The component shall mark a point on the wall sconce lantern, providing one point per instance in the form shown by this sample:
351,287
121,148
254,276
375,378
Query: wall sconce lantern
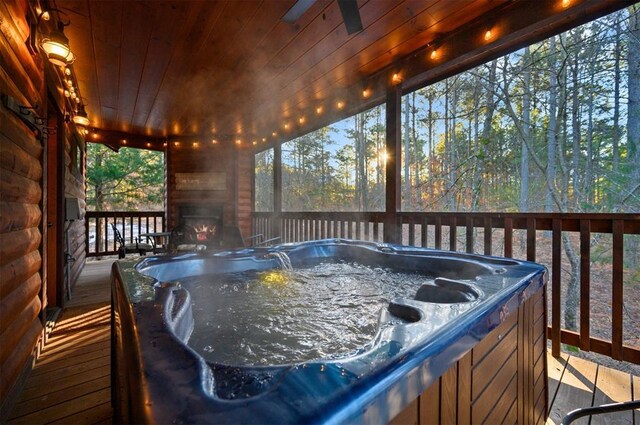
56,44
80,117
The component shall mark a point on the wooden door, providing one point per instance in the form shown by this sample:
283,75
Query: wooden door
54,215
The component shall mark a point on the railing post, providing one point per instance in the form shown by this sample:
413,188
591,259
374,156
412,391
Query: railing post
392,171
556,274
617,298
585,283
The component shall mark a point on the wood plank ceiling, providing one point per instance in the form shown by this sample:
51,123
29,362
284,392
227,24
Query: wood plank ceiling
232,69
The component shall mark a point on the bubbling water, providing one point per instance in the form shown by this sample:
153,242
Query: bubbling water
290,316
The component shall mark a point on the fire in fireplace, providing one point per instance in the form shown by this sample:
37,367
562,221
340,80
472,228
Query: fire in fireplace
205,219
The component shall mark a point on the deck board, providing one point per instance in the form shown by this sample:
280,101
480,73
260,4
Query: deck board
71,381
613,386
581,383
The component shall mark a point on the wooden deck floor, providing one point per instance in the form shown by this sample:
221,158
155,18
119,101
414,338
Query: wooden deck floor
575,383
71,384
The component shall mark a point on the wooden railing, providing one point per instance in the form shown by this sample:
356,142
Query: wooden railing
541,237
100,238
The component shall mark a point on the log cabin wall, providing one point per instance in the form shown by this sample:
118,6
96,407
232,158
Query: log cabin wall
21,188
24,211
245,192
184,158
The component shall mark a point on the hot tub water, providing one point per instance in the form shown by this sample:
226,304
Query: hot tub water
290,316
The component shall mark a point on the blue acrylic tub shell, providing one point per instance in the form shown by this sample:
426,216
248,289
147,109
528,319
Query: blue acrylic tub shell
161,379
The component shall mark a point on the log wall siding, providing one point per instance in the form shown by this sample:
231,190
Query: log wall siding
22,192
245,194
236,199
21,176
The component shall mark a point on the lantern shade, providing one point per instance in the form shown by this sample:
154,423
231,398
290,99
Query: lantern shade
56,46
80,118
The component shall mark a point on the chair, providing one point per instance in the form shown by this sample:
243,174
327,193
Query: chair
232,238
184,238
123,247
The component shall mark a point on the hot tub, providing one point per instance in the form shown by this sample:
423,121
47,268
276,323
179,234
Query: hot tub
186,351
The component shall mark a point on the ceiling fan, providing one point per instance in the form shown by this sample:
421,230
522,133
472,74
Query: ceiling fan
348,8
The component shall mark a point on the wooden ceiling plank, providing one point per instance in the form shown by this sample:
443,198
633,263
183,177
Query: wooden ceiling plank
198,25
414,14
326,58
136,35
106,46
279,39
157,59
351,70
322,26
445,25
203,80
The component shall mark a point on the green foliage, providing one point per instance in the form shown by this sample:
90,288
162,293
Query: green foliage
131,179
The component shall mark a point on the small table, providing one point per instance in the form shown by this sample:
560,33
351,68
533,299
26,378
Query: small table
160,240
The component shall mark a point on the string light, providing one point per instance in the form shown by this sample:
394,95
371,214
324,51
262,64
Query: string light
214,142
148,144
124,141
319,110
301,120
286,126
488,35
396,78
340,104
196,144
176,144
274,134
366,93
434,54
66,93
264,139
238,141
565,3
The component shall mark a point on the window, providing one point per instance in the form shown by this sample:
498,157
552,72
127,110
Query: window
263,181
340,167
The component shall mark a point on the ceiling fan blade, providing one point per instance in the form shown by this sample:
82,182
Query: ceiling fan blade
297,10
350,15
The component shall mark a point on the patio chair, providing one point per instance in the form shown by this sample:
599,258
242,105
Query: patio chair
184,238
123,247
232,238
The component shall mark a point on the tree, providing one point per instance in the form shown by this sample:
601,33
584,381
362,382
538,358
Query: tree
124,180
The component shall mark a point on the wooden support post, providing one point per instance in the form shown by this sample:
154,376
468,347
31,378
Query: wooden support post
276,224
394,153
